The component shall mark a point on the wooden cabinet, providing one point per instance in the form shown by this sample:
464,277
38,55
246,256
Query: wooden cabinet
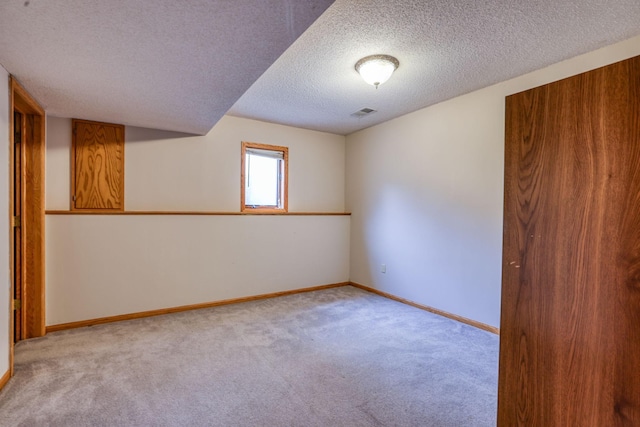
570,321
97,166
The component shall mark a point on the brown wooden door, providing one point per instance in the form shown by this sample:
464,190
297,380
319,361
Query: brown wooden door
18,131
97,166
570,322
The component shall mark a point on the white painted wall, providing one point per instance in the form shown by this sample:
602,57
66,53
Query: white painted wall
104,265
426,195
172,171
5,272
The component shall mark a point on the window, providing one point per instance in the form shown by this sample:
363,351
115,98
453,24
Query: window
264,178
97,166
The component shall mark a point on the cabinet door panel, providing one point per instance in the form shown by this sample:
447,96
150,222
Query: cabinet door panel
97,166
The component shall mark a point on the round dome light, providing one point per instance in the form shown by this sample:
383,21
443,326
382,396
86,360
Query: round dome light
376,69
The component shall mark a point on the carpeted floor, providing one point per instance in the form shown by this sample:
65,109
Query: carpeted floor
337,357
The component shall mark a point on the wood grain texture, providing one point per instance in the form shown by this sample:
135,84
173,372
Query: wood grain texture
99,212
12,247
97,165
111,319
32,221
442,313
570,316
19,123
21,100
33,228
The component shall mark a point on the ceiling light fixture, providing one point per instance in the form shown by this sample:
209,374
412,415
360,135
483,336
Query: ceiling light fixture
376,69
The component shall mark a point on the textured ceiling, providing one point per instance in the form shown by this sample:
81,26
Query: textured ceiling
180,65
445,47
166,64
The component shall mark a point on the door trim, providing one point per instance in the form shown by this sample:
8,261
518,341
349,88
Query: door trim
32,221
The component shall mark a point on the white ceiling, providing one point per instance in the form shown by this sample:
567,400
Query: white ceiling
180,65
445,47
165,64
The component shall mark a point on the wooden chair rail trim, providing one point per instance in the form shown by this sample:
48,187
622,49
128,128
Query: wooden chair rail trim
107,212
5,379
139,315
452,316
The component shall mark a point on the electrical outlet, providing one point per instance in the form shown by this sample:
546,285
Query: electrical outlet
383,268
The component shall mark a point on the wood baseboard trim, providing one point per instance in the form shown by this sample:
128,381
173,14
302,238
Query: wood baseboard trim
455,317
139,315
5,379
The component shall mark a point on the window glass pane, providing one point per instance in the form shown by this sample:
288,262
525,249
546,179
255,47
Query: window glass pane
261,180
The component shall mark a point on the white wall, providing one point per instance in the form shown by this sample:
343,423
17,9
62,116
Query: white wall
426,195
99,265
172,171
102,265
5,275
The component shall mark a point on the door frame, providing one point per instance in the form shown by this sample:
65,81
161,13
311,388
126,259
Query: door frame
19,121
32,216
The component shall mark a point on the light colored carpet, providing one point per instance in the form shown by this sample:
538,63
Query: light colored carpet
337,357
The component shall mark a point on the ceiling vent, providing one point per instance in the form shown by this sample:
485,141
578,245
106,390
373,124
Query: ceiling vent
363,112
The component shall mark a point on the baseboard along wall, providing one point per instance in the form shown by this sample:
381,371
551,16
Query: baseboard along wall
5,379
138,315
455,317
118,318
